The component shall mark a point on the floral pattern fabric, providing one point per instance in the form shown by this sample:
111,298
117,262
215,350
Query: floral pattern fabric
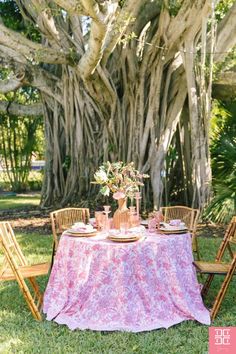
101,285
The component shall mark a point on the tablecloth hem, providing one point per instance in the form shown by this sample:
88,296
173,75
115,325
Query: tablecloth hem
125,328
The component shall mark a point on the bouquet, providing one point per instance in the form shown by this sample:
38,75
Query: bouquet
121,179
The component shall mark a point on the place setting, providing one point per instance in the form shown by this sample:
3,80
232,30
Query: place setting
175,226
80,229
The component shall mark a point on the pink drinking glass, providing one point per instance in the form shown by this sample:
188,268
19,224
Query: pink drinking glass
99,216
159,218
152,225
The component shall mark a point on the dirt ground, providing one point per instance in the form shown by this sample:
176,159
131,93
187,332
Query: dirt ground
28,220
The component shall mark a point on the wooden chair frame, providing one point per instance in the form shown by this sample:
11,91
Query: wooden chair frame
219,267
15,267
64,218
189,216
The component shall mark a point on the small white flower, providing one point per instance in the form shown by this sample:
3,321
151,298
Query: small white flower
101,176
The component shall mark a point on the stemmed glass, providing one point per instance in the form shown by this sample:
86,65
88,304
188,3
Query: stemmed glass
106,225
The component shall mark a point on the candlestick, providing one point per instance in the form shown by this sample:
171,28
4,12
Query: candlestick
106,219
137,197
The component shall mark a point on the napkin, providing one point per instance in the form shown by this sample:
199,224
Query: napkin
81,227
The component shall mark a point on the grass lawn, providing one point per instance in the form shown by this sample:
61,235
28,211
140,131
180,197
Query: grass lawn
18,201
20,333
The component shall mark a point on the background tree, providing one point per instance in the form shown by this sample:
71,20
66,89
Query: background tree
20,137
114,77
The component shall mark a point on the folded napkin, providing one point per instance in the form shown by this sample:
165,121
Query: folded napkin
81,227
135,229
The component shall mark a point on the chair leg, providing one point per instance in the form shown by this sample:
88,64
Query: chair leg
222,292
195,246
207,285
28,298
37,293
53,255
197,249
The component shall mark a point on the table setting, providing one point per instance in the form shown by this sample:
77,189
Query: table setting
123,273
135,281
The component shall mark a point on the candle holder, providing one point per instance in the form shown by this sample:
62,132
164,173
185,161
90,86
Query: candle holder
137,198
132,216
106,223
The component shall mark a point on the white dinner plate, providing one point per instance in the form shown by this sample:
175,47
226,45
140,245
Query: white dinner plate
74,231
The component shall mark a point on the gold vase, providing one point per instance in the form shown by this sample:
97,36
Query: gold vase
121,215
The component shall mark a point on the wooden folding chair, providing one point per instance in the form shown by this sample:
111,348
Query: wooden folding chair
64,218
189,216
15,267
219,267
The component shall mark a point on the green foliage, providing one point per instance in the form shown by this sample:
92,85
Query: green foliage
12,18
34,181
222,7
11,15
121,3
223,153
174,6
20,137
66,164
17,142
228,63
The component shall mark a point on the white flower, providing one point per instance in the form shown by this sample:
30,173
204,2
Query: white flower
101,176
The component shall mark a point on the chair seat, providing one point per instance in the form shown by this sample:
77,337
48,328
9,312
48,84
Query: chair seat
27,271
211,267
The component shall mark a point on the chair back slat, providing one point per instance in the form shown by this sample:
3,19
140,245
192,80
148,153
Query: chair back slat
229,237
188,215
65,218
232,231
10,244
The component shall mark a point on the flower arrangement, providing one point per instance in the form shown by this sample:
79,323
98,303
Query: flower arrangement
121,179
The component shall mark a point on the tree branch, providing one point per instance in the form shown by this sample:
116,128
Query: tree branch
21,110
8,54
10,84
102,18
31,51
128,12
183,27
72,7
226,35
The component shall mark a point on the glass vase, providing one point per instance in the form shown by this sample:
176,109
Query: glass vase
121,215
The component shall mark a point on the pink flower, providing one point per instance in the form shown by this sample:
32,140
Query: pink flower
118,195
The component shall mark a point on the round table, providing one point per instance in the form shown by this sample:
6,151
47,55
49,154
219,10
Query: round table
98,284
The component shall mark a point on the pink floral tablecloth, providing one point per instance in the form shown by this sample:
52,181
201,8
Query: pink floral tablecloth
101,285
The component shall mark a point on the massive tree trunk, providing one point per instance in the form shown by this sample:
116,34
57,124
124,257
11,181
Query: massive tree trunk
108,94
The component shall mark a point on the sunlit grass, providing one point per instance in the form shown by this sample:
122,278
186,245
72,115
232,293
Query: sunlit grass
20,333
18,202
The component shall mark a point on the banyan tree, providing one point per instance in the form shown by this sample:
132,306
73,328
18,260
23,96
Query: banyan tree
118,80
